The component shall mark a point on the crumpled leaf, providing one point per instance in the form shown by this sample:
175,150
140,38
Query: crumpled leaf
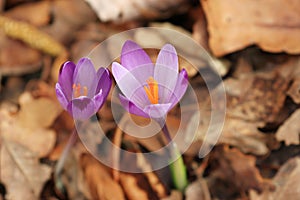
37,113
21,172
289,131
256,98
36,137
286,183
118,10
235,24
294,90
99,179
232,167
197,190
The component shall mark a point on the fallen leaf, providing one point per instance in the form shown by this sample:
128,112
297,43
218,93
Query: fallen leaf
286,183
197,190
231,28
122,11
99,179
232,167
136,186
37,113
245,136
294,90
39,140
21,171
256,98
289,131
36,13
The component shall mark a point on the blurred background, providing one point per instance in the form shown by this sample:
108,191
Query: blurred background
255,47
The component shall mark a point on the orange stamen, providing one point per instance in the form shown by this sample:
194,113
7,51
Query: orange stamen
77,90
152,90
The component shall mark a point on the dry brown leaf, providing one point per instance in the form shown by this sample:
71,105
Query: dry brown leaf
38,139
17,58
175,195
136,187
235,24
197,190
256,98
245,136
236,169
118,10
286,183
294,90
37,13
99,179
289,131
21,171
37,113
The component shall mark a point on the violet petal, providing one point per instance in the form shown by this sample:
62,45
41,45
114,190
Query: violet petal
85,75
180,88
82,108
166,79
61,97
133,56
166,66
99,100
157,111
168,57
131,107
65,79
129,85
104,82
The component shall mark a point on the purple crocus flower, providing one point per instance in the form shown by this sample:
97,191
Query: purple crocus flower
80,89
149,90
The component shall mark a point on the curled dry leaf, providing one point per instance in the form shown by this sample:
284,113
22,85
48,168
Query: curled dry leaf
119,10
294,90
37,113
245,136
23,128
286,183
235,169
256,98
136,187
289,131
197,190
21,172
231,28
37,13
99,179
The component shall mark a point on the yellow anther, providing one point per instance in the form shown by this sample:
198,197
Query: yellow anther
152,90
77,92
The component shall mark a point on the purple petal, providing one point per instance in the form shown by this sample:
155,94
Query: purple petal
65,79
61,96
157,111
82,108
129,85
85,75
166,72
180,88
104,82
167,79
133,56
131,107
168,57
99,100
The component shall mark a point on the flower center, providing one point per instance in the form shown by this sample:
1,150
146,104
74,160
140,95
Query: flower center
79,91
152,90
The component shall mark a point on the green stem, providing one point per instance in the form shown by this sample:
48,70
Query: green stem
61,161
177,167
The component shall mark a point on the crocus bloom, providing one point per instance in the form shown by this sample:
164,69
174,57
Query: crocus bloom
149,90
81,90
